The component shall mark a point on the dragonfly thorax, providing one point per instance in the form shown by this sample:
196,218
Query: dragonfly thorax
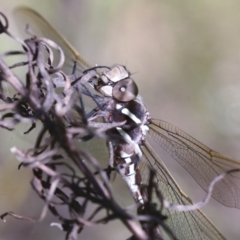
135,116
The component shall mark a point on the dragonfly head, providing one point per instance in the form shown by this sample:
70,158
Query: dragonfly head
116,83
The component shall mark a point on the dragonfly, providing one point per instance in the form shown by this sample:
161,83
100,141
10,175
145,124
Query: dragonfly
202,163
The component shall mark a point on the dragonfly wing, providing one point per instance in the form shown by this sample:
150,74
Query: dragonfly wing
185,225
200,161
42,28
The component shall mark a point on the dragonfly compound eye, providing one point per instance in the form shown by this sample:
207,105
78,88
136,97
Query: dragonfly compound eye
115,74
125,90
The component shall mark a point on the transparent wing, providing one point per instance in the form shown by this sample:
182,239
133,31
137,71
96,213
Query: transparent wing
200,161
185,225
42,28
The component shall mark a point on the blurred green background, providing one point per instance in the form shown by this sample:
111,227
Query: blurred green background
185,56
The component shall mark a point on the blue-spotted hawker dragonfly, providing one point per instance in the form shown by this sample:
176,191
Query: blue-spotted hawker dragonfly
202,163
